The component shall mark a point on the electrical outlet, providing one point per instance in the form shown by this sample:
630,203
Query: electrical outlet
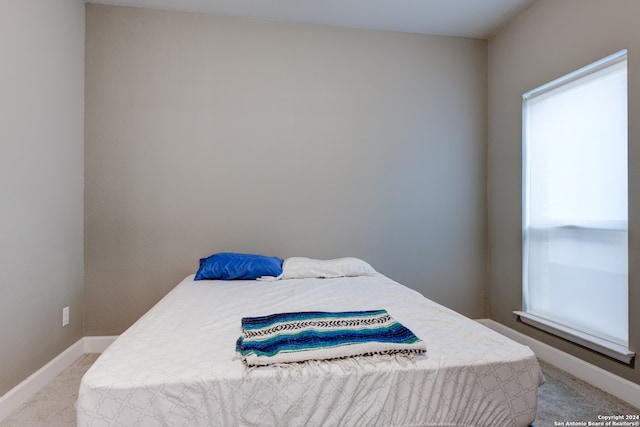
65,316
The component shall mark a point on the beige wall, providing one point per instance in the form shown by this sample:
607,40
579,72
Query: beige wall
549,40
208,134
41,183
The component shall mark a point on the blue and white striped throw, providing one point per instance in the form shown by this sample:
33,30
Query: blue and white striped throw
302,336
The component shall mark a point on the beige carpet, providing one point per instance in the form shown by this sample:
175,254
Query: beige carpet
54,405
562,398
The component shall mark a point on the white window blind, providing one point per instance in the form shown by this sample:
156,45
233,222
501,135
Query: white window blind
575,262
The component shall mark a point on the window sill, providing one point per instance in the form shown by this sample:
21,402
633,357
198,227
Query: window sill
605,347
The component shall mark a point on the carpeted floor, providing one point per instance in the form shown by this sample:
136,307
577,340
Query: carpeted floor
562,399
54,405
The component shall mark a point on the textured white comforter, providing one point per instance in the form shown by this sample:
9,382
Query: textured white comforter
177,366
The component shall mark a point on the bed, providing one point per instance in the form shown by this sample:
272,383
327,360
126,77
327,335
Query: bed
178,365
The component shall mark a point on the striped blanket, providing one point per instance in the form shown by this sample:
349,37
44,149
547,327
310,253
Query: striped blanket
298,337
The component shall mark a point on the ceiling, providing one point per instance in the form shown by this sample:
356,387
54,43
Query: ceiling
464,18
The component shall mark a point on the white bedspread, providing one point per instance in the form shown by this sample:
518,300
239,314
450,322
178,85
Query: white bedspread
177,366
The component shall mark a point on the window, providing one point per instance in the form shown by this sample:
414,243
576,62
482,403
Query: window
575,261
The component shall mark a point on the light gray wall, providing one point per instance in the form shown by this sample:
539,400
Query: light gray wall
208,134
41,182
549,40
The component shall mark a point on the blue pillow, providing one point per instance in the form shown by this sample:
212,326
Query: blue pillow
234,266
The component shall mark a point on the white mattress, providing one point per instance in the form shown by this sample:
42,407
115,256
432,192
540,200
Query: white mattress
176,366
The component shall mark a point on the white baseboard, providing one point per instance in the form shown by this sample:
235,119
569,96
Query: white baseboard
24,391
613,384
97,344
620,387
